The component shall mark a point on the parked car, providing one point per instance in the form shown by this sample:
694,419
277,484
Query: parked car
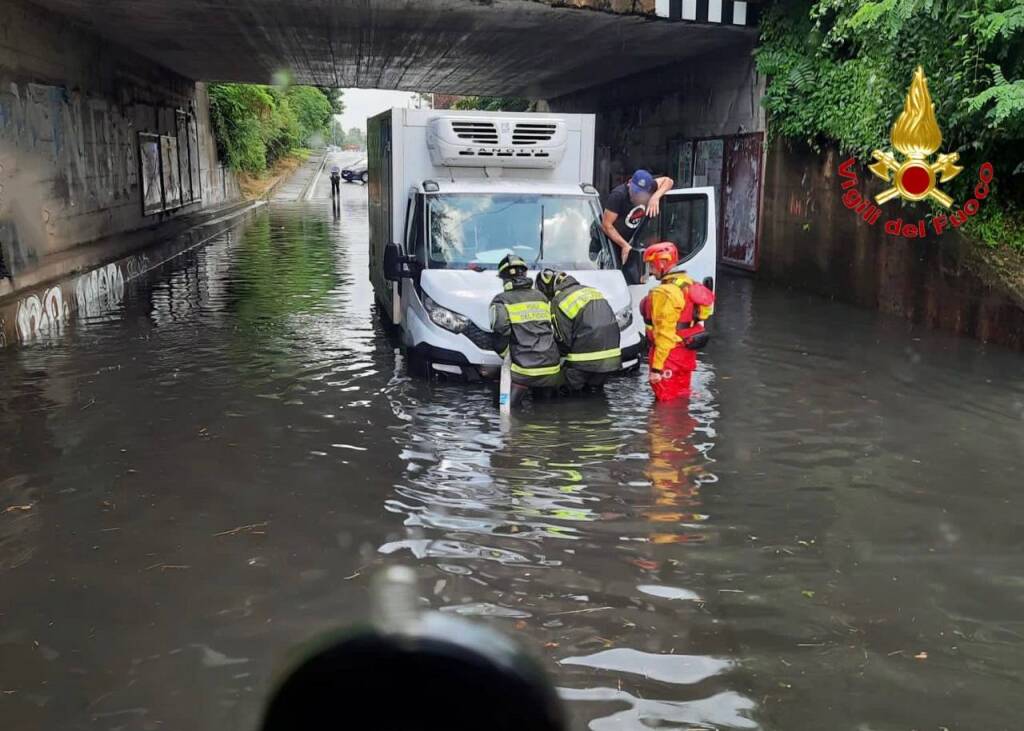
356,171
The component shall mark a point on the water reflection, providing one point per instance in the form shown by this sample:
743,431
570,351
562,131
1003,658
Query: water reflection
559,523
678,468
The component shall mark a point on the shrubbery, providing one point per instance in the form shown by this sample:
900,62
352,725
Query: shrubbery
256,125
493,103
838,70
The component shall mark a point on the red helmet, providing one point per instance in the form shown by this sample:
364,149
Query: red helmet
662,257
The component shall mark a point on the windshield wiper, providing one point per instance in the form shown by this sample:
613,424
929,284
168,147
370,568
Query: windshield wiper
540,254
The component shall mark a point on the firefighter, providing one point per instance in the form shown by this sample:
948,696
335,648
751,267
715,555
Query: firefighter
521,322
674,313
585,328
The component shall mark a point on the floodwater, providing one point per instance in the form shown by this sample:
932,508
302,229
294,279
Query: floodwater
829,537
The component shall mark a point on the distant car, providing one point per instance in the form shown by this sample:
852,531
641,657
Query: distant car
356,171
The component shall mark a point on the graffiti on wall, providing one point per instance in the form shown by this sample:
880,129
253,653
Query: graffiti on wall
72,165
42,318
100,291
89,141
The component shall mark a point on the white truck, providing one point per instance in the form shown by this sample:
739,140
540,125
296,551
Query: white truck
451,193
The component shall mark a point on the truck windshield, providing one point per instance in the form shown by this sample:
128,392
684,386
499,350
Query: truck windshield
470,231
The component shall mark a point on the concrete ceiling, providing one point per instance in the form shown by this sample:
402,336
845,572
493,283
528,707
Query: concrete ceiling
492,47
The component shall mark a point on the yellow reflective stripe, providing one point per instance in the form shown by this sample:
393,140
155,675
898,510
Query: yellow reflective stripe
543,371
579,299
596,355
528,312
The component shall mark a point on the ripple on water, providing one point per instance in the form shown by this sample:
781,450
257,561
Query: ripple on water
675,669
727,710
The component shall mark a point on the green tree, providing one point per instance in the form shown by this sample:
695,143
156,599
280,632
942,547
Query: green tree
838,72
238,113
338,136
355,137
336,98
493,103
255,125
313,112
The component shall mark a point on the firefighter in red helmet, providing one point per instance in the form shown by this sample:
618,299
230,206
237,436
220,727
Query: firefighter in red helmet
674,313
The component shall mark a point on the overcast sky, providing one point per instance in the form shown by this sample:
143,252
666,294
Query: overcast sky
363,103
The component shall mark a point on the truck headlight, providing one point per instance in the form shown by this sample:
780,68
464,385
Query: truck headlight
443,317
624,317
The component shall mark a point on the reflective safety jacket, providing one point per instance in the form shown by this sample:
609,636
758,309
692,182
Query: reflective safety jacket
521,321
586,328
673,311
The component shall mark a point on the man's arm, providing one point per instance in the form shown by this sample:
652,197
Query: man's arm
665,184
608,219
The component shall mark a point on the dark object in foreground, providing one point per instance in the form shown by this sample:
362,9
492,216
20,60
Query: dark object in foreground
433,672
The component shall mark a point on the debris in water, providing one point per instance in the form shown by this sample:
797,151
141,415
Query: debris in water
22,508
921,656
250,528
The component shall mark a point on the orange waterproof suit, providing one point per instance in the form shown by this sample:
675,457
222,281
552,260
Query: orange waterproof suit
674,312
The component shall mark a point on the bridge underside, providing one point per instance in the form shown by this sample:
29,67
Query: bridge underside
491,47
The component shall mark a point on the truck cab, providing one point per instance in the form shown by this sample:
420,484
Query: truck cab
445,268
450,194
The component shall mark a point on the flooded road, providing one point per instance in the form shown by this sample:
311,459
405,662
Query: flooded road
829,537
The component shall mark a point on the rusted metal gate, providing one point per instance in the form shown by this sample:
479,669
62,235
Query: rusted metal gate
732,166
741,201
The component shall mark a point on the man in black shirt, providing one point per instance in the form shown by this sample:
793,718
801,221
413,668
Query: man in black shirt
624,209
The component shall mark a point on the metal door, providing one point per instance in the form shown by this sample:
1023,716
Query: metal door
740,206
688,219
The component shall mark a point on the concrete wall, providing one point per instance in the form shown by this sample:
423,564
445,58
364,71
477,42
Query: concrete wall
640,116
812,241
71,108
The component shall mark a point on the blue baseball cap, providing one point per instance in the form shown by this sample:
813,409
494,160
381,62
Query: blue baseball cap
642,182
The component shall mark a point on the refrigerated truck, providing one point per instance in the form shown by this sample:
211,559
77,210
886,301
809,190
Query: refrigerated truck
450,194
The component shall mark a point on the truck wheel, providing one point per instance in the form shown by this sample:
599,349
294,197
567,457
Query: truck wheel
365,177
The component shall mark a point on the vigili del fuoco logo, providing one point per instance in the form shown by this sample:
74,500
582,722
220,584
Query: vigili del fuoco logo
915,176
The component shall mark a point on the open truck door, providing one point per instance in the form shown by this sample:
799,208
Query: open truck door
687,219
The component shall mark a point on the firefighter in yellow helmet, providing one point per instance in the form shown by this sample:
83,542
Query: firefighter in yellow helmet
521,322
585,328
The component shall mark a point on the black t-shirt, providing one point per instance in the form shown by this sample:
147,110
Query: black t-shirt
630,215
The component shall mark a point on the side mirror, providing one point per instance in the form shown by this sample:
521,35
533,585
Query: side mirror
396,264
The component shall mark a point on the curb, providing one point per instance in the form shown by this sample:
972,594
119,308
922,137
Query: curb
311,183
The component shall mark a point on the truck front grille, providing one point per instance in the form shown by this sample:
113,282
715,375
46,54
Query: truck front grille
480,338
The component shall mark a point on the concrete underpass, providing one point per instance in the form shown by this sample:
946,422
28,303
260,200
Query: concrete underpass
81,81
